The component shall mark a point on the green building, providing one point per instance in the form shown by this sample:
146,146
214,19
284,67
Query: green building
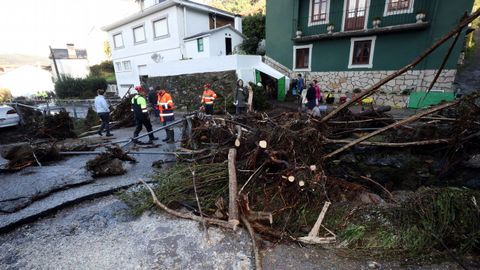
349,44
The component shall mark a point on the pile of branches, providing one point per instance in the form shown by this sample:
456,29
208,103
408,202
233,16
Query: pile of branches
285,164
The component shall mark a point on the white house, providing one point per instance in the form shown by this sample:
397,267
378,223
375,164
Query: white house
167,31
70,62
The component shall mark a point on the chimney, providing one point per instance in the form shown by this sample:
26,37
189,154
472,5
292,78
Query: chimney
238,23
72,53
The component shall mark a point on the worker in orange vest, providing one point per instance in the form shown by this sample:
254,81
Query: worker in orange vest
208,98
165,106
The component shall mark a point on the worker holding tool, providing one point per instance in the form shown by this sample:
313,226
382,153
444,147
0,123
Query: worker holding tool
208,98
139,108
165,105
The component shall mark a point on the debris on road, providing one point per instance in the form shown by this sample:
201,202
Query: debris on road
109,163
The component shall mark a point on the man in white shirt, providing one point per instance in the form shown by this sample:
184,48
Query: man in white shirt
103,111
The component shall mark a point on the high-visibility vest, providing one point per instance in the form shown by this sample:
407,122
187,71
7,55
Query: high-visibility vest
165,105
208,97
139,105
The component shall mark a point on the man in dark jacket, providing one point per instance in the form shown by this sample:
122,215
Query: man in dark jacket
139,107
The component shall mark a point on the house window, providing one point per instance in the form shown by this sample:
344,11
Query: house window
160,28
302,57
118,66
319,10
127,66
393,7
118,41
139,34
200,45
361,52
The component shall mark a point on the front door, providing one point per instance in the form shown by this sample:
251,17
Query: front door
228,46
355,14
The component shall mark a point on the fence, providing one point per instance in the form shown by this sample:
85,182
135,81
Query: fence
77,108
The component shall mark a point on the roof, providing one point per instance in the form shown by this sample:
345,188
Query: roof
164,5
63,54
212,31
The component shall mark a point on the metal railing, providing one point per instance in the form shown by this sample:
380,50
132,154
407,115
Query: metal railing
77,108
343,20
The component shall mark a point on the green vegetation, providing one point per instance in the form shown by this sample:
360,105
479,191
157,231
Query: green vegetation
79,88
254,29
104,70
243,7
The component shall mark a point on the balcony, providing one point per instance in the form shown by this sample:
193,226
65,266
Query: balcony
363,21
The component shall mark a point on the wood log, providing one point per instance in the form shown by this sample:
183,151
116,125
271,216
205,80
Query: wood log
188,215
373,112
232,187
394,145
256,252
259,216
312,237
372,89
239,135
262,144
399,123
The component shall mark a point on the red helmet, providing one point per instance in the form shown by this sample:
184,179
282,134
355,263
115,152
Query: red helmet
139,89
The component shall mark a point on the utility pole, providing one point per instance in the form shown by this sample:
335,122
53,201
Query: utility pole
55,63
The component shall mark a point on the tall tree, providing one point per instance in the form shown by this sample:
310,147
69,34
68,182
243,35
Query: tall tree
243,7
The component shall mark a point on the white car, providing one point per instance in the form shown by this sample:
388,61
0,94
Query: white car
8,116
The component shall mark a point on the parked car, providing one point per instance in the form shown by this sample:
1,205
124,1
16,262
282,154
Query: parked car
52,109
8,116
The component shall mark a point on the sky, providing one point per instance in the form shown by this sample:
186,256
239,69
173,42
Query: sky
30,26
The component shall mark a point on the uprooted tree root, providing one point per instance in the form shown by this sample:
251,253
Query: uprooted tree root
25,155
109,163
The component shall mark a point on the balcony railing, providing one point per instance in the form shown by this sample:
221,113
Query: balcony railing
363,18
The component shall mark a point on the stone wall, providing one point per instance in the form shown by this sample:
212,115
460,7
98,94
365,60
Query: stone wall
187,89
393,93
344,81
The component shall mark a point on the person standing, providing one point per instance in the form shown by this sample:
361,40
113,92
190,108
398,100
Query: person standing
103,111
165,105
139,107
208,98
311,97
318,92
240,97
300,83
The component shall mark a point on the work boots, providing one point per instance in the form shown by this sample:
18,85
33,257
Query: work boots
167,136
171,136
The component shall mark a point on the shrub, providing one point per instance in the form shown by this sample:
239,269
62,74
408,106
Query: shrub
5,95
79,88
254,30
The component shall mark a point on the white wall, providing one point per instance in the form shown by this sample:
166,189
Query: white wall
192,49
76,68
217,41
197,22
165,46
